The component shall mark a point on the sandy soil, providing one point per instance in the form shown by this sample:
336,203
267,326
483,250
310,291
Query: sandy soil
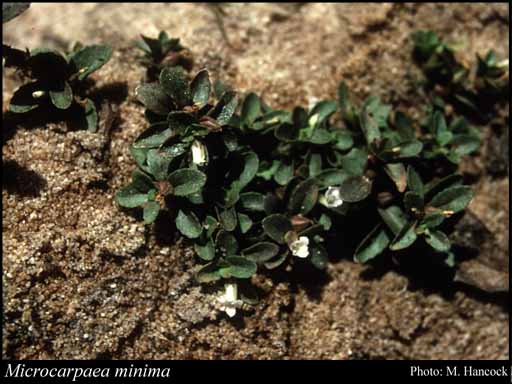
83,279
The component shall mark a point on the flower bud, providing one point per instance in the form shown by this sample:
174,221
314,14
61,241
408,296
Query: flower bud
198,153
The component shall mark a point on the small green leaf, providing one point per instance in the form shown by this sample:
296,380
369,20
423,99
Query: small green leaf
330,177
267,170
226,243
355,161
443,135
355,188
277,261
154,98
343,140
196,198
260,252
315,164
232,195
284,173
450,259
150,46
154,136
228,219
437,185
318,255
438,240
465,144
240,267
225,108
150,211
321,136
201,88
89,59
169,45
425,43
372,245
323,110
414,181
174,83
188,224
325,221
210,224
245,222
142,182
252,201
158,164
432,220
303,197
403,150
219,88
22,100
397,173
205,252
130,197
91,116
187,181
453,199
373,117
208,273
271,118
230,140
251,163
343,97
276,226
404,127
62,96
394,218
139,155
405,238
251,108
136,193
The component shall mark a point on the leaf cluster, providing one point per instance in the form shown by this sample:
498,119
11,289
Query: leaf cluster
57,80
474,89
162,51
248,184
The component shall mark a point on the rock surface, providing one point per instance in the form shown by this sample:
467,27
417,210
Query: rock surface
83,279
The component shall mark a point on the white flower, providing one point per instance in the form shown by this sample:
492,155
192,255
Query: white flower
228,300
332,197
38,94
198,153
313,120
503,64
299,247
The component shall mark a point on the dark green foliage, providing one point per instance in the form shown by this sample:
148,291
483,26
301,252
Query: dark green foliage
256,188
161,52
57,81
450,141
474,90
12,10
